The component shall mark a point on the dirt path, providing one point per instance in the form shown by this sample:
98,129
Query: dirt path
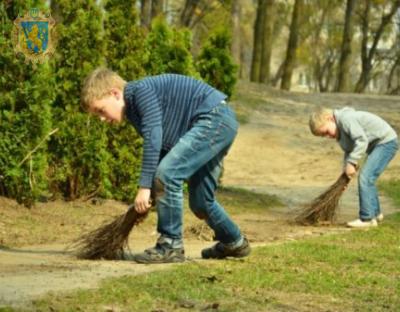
273,153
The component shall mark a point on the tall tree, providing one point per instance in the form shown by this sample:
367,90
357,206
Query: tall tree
194,11
157,8
188,12
324,43
368,51
345,56
236,31
257,45
267,41
145,13
290,60
393,86
393,81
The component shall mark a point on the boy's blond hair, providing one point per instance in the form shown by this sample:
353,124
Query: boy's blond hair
318,118
98,84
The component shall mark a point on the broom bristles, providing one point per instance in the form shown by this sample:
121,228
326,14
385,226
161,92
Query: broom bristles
323,208
109,240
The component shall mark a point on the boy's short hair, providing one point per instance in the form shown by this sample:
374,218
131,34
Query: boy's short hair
98,84
318,118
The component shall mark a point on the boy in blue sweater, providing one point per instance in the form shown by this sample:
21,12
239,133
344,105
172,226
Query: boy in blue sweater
187,129
358,134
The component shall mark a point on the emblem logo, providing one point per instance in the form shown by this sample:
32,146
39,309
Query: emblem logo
34,36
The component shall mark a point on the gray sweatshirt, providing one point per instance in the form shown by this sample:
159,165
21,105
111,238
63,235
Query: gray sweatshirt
360,132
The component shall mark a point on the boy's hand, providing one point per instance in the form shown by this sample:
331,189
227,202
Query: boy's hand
142,200
350,170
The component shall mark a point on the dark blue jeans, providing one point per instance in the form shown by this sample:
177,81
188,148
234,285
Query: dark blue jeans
197,158
376,162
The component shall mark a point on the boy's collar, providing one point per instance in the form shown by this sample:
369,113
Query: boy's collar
128,93
337,128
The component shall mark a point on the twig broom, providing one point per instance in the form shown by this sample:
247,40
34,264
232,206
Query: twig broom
323,208
109,240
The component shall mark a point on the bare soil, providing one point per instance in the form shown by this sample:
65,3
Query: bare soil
274,153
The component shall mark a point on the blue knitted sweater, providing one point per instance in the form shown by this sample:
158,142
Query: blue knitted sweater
162,109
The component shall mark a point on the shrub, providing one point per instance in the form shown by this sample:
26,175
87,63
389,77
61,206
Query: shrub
25,116
215,63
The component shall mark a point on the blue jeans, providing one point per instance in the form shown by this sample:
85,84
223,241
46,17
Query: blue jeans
376,162
197,158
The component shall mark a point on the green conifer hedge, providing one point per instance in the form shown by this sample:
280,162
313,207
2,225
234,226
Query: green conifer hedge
48,144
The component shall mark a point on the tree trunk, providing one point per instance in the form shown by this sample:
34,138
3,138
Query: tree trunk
345,57
236,33
157,8
56,12
257,45
394,70
367,56
265,69
278,75
290,60
145,14
325,73
188,12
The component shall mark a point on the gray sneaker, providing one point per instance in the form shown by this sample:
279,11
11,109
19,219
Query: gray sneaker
161,253
221,251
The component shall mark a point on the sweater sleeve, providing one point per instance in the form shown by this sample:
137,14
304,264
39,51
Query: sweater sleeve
150,112
358,136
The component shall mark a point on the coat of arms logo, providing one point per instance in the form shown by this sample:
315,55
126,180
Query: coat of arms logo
34,36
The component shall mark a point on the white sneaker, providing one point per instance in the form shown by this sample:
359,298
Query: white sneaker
362,224
379,217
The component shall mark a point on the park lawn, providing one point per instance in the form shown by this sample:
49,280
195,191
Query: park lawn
354,271
391,188
244,105
62,222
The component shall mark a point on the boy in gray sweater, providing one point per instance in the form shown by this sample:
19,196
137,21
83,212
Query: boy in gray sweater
359,133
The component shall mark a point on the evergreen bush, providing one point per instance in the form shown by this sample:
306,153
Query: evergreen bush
79,158
25,115
169,50
215,63
125,54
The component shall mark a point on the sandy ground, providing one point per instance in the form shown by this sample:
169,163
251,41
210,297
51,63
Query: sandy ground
273,153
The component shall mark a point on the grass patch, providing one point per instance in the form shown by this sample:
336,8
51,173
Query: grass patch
357,271
244,105
392,189
238,200
51,222
62,222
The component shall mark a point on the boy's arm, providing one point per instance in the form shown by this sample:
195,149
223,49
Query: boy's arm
149,110
358,136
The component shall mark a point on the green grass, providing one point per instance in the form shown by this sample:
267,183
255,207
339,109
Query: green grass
357,271
238,200
354,271
244,105
392,189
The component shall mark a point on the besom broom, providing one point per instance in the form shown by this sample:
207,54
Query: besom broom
323,208
109,240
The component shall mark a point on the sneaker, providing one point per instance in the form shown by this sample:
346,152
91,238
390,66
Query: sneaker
221,251
161,253
379,217
362,224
